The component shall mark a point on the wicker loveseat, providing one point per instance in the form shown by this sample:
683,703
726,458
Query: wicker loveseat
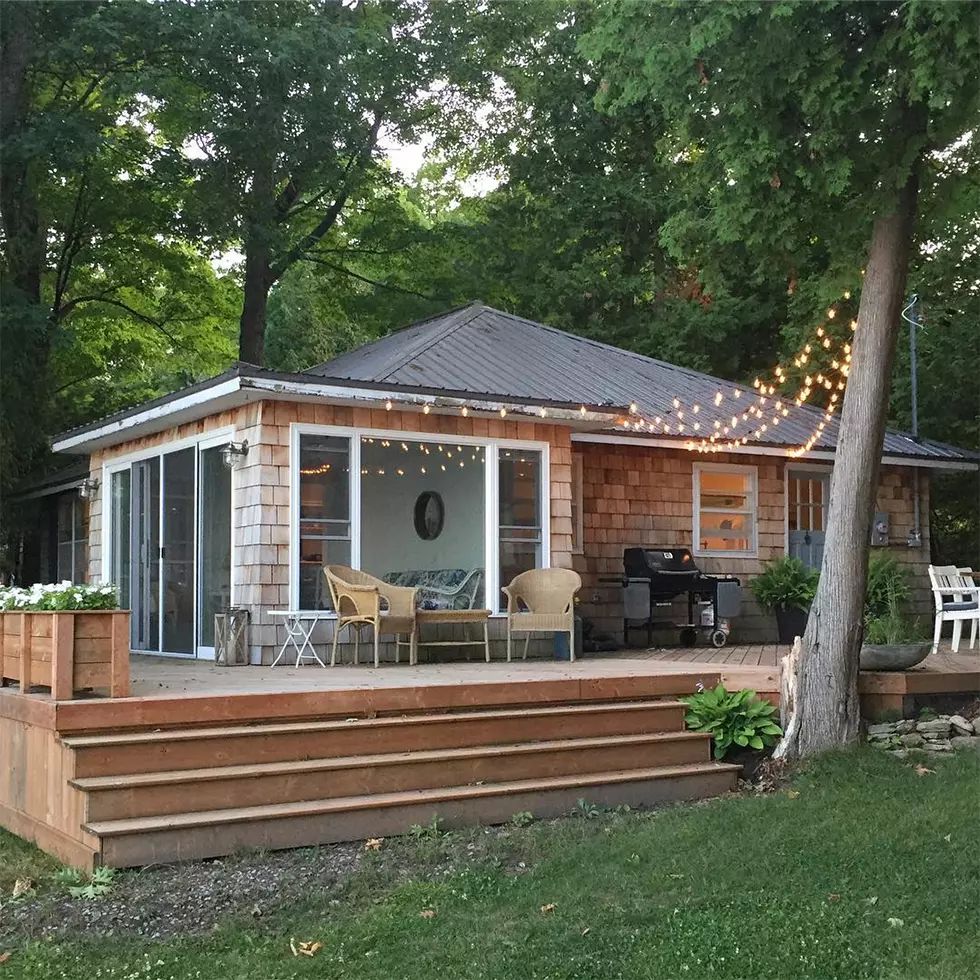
441,588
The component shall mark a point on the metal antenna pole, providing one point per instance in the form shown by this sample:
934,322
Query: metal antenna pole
913,323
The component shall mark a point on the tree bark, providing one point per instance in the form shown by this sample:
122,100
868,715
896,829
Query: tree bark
827,707
251,333
18,197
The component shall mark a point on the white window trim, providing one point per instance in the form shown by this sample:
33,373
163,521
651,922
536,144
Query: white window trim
752,509
491,449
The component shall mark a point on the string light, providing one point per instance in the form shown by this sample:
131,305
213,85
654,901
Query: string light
830,379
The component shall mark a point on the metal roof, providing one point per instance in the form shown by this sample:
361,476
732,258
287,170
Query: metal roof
481,350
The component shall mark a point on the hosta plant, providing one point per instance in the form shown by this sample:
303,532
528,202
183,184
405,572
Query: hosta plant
56,598
733,718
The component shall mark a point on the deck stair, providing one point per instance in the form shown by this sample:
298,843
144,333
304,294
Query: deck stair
156,794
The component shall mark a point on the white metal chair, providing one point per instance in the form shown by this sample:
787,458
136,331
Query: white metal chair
957,598
542,601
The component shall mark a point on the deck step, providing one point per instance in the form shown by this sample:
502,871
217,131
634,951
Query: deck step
228,745
222,787
202,834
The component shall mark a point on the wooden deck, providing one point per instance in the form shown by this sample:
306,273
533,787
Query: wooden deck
202,760
943,673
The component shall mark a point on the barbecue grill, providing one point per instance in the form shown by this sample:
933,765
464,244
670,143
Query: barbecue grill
653,579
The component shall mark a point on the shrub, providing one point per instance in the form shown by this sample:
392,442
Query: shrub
54,598
893,626
785,582
733,718
889,587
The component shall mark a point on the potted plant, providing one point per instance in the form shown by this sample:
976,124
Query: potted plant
66,637
892,639
786,587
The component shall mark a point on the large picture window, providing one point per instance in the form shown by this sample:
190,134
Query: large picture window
724,509
422,518
454,519
324,514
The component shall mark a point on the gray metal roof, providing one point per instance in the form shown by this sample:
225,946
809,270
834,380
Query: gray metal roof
485,351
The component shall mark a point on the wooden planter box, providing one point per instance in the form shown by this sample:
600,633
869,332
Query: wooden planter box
66,651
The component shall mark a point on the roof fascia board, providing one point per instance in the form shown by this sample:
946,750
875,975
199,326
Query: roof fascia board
379,395
118,430
234,391
49,491
747,450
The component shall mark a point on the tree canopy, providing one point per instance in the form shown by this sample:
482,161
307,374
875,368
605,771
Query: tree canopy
188,183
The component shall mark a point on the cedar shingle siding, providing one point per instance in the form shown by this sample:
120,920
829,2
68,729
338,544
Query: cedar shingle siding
631,496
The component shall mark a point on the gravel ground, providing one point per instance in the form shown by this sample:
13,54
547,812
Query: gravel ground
192,899
184,899
180,900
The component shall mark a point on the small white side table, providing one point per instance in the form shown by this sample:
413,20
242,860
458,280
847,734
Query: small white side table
299,631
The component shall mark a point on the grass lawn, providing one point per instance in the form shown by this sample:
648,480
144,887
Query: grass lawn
862,868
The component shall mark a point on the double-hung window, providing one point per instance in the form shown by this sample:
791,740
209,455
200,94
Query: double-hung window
725,509
521,533
72,539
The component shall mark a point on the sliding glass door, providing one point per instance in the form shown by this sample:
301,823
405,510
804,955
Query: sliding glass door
177,553
214,548
169,550
145,551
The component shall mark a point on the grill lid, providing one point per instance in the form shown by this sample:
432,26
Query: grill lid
647,563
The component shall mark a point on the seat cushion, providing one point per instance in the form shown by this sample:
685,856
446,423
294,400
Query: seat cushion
439,588
960,606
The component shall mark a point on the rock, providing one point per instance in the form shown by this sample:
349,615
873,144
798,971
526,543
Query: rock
965,742
912,740
905,726
900,754
883,730
938,747
939,726
960,725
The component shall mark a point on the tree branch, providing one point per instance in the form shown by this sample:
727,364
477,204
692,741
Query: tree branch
119,304
371,282
355,167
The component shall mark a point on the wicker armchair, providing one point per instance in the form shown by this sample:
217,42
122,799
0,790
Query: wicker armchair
542,601
360,600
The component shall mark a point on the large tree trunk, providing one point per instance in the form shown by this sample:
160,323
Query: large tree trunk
251,333
25,331
827,707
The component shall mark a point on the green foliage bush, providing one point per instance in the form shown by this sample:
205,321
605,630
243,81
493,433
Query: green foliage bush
785,582
889,586
737,718
61,597
886,603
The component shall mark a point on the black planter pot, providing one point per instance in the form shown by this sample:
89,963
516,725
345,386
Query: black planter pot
790,623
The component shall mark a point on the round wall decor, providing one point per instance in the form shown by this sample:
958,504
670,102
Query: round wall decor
430,515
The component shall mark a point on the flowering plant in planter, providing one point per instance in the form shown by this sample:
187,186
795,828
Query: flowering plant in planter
63,597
